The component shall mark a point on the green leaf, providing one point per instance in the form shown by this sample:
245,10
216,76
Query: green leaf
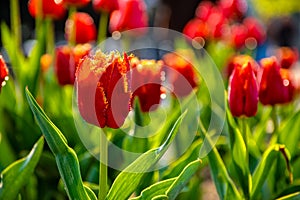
289,133
66,158
294,196
267,161
239,153
128,180
223,182
170,187
16,175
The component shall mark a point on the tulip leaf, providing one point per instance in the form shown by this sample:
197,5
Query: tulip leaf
223,182
289,133
263,169
16,175
128,180
239,154
66,158
170,187
294,196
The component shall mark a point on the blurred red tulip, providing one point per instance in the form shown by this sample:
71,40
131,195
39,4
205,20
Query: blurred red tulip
103,89
146,83
204,9
105,5
233,8
67,59
287,56
275,86
196,28
48,8
239,34
76,3
3,72
216,22
239,60
255,29
131,14
180,73
243,91
85,29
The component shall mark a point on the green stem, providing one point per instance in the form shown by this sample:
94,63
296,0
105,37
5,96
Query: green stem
103,166
72,38
274,116
15,21
102,28
245,137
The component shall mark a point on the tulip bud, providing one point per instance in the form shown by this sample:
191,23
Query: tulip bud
3,72
146,83
131,14
180,73
80,28
67,59
103,93
243,91
239,60
49,8
275,86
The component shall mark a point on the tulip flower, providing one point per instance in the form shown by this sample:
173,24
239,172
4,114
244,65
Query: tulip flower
3,72
76,3
131,14
239,60
105,5
196,28
85,29
275,86
180,73
233,8
146,83
239,34
49,8
243,91
255,29
287,56
67,59
103,92
204,9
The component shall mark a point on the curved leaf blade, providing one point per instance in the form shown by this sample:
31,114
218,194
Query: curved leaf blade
66,158
16,175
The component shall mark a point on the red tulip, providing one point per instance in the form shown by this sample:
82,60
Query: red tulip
234,8
67,59
204,9
48,8
275,86
85,29
239,34
131,14
243,91
239,60
180,73
287,56
196,28
255,29
3,72
217,23
76,3
105,5
103,89
146,83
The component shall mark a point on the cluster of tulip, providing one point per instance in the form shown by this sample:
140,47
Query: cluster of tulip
224,21
270,82
111,83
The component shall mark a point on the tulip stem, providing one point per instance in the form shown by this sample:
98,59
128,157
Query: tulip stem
103,166
276,124
102,28
245,137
